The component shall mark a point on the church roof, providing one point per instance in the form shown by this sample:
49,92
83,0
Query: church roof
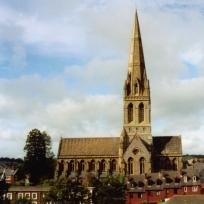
101,146
165,145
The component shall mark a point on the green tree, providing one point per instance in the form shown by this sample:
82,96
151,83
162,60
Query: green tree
69,191
3,189
39,159
109,190
24,201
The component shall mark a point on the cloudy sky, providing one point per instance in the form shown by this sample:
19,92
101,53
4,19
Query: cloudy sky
63,64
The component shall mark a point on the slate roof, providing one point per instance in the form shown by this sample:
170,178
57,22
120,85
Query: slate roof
7,171
101,146
164,145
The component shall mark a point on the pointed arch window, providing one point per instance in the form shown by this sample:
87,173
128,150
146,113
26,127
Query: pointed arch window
130,165
92,165
128,90
136,88
174,166
61,168
103,165
113,165
81,165
142,166
130,112
128,81
141,113
71,166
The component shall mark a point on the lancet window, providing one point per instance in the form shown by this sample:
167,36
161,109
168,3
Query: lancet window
130,165
141,113
130,112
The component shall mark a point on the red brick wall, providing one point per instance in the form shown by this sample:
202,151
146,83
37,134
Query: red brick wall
154,196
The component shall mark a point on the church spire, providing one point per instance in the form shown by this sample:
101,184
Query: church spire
137,102
136,64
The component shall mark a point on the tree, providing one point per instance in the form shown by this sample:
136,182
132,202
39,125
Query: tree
67,190
3,189
109,190
24,201
39,159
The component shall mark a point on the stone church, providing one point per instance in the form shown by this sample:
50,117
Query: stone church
135,151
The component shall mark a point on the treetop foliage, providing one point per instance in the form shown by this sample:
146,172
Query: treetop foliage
39,159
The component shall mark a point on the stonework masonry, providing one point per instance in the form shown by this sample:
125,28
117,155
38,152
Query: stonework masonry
136,151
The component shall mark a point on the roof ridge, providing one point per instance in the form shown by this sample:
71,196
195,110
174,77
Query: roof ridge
67,138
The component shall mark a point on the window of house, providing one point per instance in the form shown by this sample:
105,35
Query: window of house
27,195
194,179
175,191
158,193
34,195
139,195
185,189
195,188
9,196
20,195
185,179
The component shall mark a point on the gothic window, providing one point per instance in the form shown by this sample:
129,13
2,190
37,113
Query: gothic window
71,166
130,112
92,165
136,88
103,165
113,165
128,90
141,112
82,165
174,166
61,168
130,165
142,166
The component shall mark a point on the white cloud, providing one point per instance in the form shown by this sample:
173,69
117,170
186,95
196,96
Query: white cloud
77,101
193,56
35,102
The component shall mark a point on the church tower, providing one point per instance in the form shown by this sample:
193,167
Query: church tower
137,102
136,137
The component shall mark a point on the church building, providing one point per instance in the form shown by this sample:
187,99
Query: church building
135,151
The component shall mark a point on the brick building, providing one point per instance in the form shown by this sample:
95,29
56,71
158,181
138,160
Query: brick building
163,186
34,193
